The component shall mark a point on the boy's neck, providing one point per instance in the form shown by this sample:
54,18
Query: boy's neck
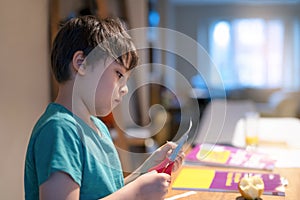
74,104
64,96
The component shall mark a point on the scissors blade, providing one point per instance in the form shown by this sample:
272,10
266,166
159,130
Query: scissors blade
180,143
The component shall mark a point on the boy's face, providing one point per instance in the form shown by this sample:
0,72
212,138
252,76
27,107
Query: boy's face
111,88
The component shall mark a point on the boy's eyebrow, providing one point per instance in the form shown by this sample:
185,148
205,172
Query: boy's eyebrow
123,66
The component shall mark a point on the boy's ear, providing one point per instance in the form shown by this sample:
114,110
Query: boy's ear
78,62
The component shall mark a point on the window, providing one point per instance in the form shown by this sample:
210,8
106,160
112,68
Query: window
248,52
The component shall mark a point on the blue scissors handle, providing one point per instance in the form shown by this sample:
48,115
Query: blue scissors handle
180,143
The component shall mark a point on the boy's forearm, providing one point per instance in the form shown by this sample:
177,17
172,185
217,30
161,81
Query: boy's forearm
131,177
128,192
144,168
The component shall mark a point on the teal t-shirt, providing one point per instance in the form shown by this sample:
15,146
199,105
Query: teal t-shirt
63,142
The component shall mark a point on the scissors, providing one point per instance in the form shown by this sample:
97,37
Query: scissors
167,165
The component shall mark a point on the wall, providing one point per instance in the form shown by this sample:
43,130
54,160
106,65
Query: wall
24,85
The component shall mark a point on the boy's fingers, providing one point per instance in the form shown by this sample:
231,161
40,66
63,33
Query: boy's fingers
166,177
167,147
168,180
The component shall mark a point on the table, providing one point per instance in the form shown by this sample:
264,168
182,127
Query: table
292,190
281,133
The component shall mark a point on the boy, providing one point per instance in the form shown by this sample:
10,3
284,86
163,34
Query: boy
70,154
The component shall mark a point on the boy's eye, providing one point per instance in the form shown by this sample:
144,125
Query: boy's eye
119,74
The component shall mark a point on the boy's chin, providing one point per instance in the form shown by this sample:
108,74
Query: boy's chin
115,104
103,112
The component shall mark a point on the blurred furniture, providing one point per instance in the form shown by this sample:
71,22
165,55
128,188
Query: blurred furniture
205,95
258,95
203,98
135,143
219,120
281,104
270,102
129,143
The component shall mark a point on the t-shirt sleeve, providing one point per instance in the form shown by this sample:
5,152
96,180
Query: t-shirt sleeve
58,148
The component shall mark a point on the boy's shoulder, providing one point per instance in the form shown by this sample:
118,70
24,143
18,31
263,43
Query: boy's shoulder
55,124
55,115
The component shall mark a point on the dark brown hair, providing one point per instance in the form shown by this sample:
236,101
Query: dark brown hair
87,33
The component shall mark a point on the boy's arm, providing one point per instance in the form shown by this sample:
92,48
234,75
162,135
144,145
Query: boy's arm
59,186
149,186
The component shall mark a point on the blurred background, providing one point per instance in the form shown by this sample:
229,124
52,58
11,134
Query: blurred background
254,45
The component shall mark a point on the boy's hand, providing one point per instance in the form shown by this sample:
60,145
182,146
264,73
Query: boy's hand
152,185
162,153
156,158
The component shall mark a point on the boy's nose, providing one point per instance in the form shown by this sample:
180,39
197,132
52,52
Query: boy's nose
124,90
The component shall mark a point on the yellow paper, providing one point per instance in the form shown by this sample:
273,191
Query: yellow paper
213,156
194,178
